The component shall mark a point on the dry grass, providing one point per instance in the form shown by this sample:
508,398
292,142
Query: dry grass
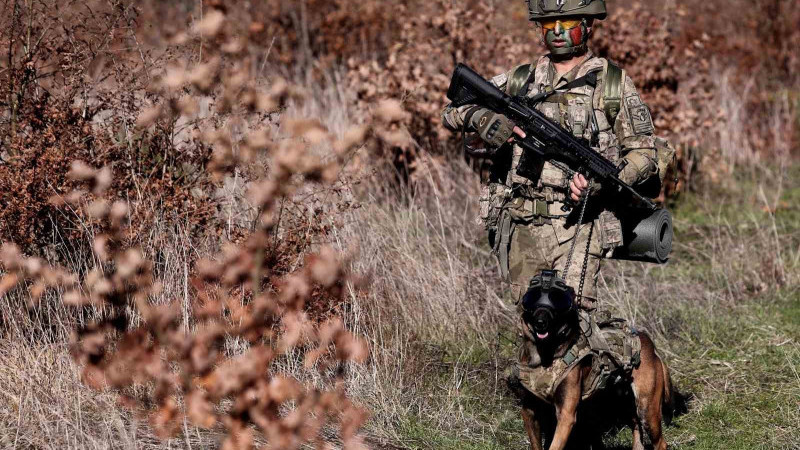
434,313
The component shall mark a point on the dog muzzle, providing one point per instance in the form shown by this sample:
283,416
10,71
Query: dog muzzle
541,321
548,299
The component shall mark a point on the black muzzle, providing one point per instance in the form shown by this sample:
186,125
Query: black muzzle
546,303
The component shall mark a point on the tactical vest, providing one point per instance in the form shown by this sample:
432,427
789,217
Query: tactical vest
613,350
580,110
575,110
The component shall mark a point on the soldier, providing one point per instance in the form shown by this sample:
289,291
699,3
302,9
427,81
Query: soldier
523,210
529,209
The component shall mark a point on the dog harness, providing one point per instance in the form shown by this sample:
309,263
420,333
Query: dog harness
613,347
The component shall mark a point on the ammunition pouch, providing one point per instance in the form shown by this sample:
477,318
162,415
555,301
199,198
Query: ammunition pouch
665,157
529,210
492,200
610,228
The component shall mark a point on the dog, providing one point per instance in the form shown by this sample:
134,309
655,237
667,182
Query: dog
552,321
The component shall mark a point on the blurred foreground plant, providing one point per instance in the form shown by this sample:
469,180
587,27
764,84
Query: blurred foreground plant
178,359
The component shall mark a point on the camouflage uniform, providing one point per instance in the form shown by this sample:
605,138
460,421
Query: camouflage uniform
540,234
521,205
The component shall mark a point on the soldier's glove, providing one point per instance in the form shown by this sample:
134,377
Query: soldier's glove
638,168
493,128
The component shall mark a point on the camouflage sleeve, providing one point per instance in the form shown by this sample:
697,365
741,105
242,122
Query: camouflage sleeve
636,134
453,118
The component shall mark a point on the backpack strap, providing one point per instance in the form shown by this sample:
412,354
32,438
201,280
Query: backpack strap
520,80
612,91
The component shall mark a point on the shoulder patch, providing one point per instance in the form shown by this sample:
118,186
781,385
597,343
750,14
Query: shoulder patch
639,115
500,80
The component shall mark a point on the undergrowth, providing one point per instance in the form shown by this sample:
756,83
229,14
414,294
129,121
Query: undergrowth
724,319
181,110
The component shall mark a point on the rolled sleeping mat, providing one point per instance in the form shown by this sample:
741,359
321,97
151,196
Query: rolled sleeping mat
646,237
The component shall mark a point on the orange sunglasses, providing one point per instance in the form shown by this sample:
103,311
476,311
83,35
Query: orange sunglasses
565,24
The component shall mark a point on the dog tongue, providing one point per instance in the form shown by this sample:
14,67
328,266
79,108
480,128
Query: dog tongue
542,335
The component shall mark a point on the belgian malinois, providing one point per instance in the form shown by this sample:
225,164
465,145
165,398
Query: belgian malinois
550,314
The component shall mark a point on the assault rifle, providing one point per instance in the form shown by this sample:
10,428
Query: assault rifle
545,140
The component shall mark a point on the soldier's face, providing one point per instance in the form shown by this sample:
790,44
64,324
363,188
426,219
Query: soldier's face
564,34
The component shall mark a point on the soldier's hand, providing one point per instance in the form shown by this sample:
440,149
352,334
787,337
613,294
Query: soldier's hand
495,129
518,131
578,186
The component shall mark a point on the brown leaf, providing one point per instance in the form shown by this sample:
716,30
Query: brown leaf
80,171
94,377
118,213
33,267
241,439
74,197
352,138
310,129
259,140
36,291
102,181
282,389
148,116
295,327
204,76
208,270
396,138
391,111
74,298
187,106
57,200
199,410
355,443
295,290
98,209
234,46
324,267
211,24
7,283
166,420
174,79
11,256
129,262
351,348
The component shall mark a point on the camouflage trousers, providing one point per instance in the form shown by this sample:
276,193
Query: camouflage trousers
536,245
534,248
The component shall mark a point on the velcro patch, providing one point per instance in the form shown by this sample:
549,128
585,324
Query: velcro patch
639,115
500,80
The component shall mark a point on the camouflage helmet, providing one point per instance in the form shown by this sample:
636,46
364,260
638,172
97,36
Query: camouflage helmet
554,9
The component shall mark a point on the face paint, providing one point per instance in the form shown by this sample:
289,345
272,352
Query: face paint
568,38
576,35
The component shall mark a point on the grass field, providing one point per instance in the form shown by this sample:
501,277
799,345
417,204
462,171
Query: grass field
725,312
253,152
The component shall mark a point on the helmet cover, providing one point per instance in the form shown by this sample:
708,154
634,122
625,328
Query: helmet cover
555,9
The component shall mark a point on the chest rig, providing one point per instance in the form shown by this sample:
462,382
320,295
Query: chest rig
577,107
529,191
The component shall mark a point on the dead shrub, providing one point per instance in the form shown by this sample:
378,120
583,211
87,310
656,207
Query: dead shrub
162,361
